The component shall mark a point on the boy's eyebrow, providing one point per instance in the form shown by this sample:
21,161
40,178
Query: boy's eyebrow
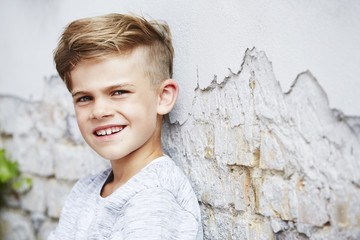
122,85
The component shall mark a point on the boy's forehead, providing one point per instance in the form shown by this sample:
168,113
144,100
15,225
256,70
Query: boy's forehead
111,66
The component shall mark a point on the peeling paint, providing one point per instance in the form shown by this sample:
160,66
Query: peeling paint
276,138
264,164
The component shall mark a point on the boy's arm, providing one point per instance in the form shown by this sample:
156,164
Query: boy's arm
70,211
155,214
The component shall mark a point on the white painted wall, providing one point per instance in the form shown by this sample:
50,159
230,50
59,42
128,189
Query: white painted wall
210,37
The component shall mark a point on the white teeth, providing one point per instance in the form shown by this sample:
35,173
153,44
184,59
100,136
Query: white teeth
108,131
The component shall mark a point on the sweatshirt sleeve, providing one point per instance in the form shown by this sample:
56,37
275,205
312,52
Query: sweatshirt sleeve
67,217
155,214
70,211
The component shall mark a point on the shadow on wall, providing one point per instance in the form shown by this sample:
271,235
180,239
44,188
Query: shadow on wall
264,164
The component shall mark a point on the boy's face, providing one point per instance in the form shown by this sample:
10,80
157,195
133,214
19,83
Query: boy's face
116,106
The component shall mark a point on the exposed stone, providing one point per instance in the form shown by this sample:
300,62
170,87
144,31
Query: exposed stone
306,229
18,113
290,235
271,155
344,208
15,226
272,197
72,130
33,153
45,127
37,220
260,229
57,96
264,164
240,186
57,192
248,123
240,229
311,200
46,228
278,225
34,200
217,224
75,161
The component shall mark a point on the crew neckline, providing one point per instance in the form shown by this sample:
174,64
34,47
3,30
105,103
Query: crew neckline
109,177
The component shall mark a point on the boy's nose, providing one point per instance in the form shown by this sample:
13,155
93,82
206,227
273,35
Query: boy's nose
101,110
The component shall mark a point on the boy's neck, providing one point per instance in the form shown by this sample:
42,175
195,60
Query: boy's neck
127,167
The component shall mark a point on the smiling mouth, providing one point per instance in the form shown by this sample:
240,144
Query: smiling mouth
108,131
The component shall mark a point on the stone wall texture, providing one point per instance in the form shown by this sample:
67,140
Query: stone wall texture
264,164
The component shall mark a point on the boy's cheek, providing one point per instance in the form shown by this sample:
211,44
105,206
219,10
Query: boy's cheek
80,110
80,118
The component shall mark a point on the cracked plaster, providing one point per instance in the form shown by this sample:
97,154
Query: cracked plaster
264,164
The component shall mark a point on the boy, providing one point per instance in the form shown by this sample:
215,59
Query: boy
118,69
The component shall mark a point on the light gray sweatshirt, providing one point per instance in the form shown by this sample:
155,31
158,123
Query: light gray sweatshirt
156,203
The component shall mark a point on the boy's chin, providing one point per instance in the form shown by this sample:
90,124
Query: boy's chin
108,153
111,157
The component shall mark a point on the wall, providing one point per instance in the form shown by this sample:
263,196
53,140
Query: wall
268,164
264,164
269,157
210,38
44,138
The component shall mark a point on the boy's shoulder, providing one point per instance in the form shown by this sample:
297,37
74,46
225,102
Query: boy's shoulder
161,173
96,178
164,176
158,191
90,183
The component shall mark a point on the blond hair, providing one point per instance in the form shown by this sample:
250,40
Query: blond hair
113,34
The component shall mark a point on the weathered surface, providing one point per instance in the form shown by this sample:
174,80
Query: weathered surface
44,138
285,161
264,164
14,225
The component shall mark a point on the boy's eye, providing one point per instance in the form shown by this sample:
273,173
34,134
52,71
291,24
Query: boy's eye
83,99
120,92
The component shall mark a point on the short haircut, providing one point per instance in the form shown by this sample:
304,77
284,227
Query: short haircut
115,34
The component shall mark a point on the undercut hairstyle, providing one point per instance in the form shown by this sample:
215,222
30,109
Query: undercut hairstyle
109,35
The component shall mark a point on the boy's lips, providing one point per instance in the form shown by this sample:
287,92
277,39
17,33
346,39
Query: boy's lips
108,130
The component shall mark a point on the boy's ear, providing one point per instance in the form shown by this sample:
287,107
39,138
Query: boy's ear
168,93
